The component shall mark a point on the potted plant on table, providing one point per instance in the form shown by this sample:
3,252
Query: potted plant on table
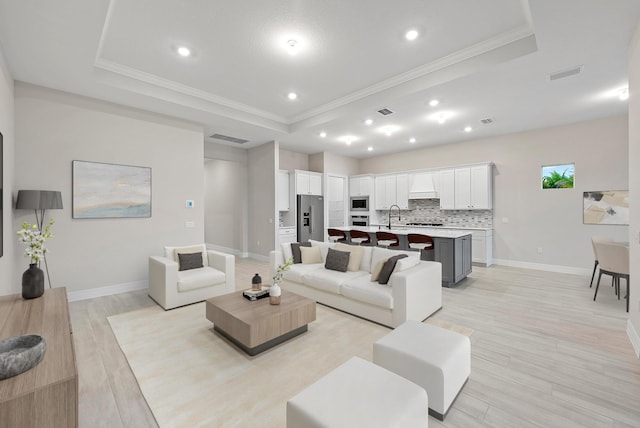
275,292
34,239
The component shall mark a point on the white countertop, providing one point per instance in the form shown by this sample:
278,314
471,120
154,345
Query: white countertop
436,232
433,227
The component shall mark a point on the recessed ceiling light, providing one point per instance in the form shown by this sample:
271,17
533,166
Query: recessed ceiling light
468,129
411,35
184,51
412,140
292,96
368,122
434,103
624,94
370,148
388,130
441,116
348,139
292,46
323,134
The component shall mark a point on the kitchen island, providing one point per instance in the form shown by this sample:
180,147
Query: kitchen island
452,248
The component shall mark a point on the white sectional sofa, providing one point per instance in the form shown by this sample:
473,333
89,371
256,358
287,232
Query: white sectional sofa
411,294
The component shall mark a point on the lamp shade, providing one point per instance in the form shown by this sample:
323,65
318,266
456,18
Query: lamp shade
39,200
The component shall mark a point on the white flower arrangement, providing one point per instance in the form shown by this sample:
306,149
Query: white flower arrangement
34,240
277,278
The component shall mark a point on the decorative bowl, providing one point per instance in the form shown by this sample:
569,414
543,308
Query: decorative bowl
20,353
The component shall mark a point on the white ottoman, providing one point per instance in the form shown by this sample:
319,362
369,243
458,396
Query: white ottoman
437,359
359,394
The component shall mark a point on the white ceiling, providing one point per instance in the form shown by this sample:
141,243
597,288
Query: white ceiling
480,58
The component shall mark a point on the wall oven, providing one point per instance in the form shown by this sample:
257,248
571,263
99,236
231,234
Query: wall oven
359,220
359,203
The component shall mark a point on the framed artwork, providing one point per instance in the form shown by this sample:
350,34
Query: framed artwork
558,176
104,190
607,207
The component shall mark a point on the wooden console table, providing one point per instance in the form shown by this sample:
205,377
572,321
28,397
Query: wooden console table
46,395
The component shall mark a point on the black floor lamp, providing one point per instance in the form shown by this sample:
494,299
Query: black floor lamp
40,201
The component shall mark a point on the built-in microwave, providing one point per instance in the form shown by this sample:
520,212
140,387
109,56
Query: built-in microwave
359,203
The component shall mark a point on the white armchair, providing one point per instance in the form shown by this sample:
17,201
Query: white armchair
171,287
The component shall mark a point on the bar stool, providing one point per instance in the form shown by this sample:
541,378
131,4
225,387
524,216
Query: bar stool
359,237
336,235
424,243
387,239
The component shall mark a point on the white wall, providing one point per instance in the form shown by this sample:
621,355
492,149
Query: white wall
551,219
263,217
340,164
7,128
52,129
291,161
634,187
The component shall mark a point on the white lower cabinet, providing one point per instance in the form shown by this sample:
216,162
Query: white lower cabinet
482,247
287,234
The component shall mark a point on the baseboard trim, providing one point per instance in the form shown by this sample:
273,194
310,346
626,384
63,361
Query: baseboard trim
259,257
634,337
541,266
74,296
235,252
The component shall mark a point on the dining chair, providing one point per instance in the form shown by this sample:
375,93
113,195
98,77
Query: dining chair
336,235
595,239
613,259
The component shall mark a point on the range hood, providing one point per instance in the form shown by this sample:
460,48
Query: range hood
422,186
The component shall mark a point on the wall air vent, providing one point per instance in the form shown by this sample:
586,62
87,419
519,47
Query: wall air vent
565,73
385,111
228,138
486,121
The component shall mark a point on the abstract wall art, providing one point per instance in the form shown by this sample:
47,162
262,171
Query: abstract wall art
606,207
104,190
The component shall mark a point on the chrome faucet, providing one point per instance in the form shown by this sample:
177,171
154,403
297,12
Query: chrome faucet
391,207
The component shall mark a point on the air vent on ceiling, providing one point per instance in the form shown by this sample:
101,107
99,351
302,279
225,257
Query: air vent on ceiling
565,73
385,111
486,121
228,138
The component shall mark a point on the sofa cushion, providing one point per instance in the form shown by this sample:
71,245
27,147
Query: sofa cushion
199,278
172,252
365,264
295,251
311,255
388,267
187,261
324,247
286,250
329,280
378,254
337,260
297,272
406,263
375,271
363,290
356,255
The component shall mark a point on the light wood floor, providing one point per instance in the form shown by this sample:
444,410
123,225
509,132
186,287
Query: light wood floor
543,353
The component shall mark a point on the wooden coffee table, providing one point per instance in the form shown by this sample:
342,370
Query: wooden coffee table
257,326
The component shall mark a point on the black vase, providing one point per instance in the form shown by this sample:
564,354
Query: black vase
32,282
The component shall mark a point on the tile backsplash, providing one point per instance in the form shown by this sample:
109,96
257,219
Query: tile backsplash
428,211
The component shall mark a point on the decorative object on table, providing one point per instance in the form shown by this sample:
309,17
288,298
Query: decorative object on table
558,176
20,353
275,292
34,239
256,283
102,190
606,207
254,295
40,201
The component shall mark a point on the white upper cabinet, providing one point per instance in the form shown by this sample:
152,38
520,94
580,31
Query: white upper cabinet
360,185
466,188
283,191
402,191
381,193
308,183
392,190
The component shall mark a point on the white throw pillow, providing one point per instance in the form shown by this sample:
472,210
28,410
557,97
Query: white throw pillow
311,255
324,247
378,254
375,272
172,253
406,263
286,250
365,264
355,258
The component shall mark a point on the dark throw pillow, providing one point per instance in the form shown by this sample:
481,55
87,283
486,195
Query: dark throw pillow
187,261
387,268
337,260
295,250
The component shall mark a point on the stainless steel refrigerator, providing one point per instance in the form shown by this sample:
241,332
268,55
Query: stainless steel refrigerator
310,218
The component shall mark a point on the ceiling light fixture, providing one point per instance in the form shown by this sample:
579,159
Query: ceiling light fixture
624,94
292,96
468,129
292,46
184,51
323,134
388,130
368,122
412,140
370,148
434,103
348,139
411,35
441,116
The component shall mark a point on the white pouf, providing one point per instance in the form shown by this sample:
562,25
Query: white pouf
359,394
437,359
